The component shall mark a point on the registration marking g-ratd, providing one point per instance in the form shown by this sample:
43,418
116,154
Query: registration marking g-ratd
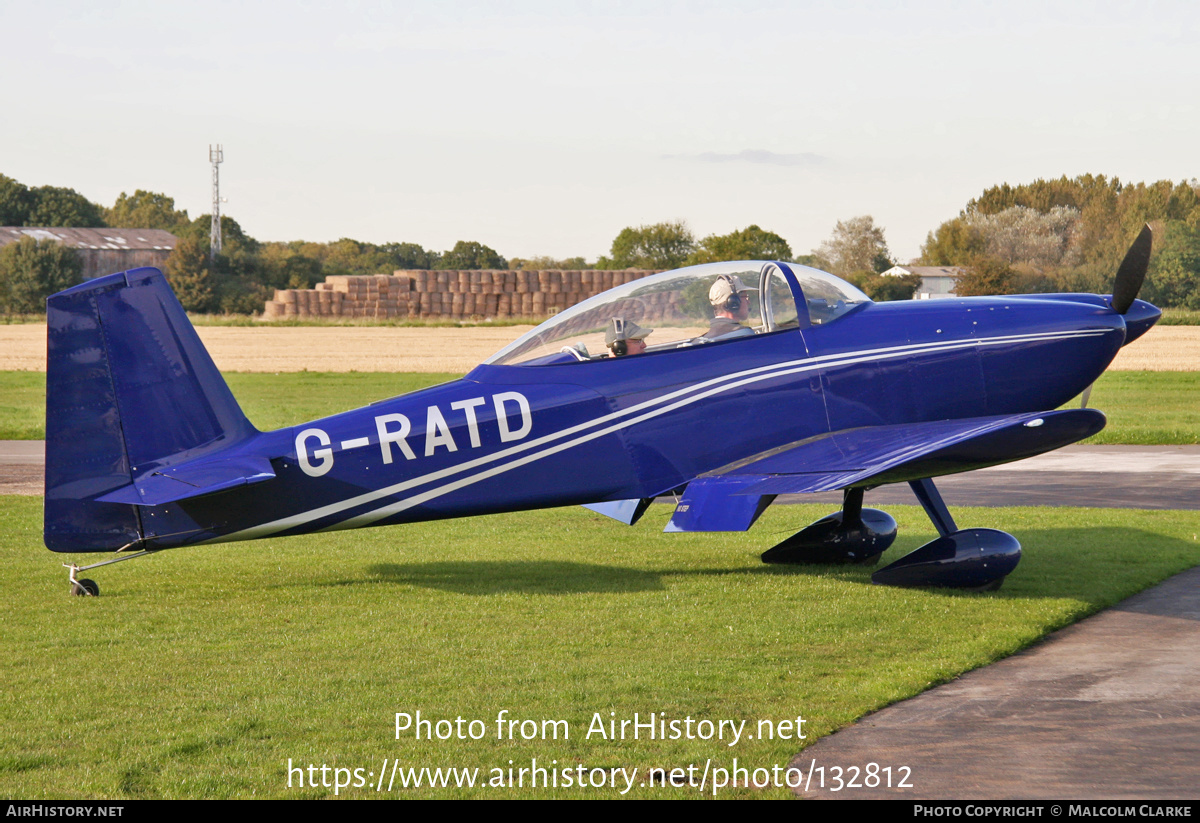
395,429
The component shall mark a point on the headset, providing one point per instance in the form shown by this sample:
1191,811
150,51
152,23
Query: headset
619,347
734,301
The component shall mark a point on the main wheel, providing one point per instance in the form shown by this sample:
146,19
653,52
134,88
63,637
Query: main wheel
85,588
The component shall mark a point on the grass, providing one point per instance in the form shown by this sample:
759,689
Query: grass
200,673
1144,408
1147,408
22,405
271,401
1180,317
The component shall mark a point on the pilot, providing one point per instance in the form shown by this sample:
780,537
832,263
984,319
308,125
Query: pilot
625,337
730,300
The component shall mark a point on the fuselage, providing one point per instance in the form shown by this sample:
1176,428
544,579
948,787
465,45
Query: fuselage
509,437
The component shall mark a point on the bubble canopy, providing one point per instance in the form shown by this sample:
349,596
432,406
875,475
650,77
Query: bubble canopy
676,305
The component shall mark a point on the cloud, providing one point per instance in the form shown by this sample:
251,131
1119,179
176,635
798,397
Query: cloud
761,157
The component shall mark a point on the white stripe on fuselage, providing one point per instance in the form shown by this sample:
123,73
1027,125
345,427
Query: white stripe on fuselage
635,414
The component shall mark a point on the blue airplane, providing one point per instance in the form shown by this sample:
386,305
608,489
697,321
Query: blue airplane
721,385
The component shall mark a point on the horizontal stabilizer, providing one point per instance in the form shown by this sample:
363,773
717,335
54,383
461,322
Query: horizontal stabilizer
195,478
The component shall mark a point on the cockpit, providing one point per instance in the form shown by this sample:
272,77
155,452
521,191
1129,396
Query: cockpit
676,306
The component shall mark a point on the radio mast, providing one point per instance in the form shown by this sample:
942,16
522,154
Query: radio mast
215,156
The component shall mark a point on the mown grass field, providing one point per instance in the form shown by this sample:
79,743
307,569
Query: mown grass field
271,401
1145,408
201,672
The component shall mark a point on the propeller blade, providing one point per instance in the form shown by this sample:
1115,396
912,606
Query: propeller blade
1132,272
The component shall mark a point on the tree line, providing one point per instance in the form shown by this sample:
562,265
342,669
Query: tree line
1070,234
1067,234
236,281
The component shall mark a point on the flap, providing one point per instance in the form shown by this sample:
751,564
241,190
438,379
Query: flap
719,504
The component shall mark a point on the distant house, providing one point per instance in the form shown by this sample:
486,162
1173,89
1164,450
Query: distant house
103,251
936,281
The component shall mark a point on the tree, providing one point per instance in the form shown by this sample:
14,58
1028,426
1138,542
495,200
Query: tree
236,281
881,288
32,270
661,246
55,206
1070,234
471,255
1174,276
345,256
301,265
409,256
545,262
856,245
300,272
1018,235
15,201
986,275
750,243
231,232
188,271
814,261
952,244
146,210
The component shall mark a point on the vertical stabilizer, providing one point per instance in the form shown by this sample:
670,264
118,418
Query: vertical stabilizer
129,389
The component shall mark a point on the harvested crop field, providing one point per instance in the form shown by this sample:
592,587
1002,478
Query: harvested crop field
455,350
311,348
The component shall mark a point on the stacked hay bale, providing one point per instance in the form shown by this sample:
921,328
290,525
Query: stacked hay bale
455,295
379,295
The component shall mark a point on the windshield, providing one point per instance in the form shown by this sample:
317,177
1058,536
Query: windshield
828,297
678,309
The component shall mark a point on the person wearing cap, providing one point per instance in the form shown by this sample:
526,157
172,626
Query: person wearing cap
625,337
730,299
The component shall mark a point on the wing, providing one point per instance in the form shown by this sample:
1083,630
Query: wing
732,497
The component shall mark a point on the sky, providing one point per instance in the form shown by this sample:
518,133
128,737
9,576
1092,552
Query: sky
544,128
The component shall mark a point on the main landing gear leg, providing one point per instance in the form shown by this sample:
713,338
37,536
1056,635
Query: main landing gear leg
853,535
974,559
87,588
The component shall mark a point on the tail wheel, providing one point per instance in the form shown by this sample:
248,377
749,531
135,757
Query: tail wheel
85,588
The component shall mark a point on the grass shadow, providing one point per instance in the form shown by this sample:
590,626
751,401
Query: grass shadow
1088,564
490,577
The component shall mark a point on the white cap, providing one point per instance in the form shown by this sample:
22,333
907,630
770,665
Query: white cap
725,287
